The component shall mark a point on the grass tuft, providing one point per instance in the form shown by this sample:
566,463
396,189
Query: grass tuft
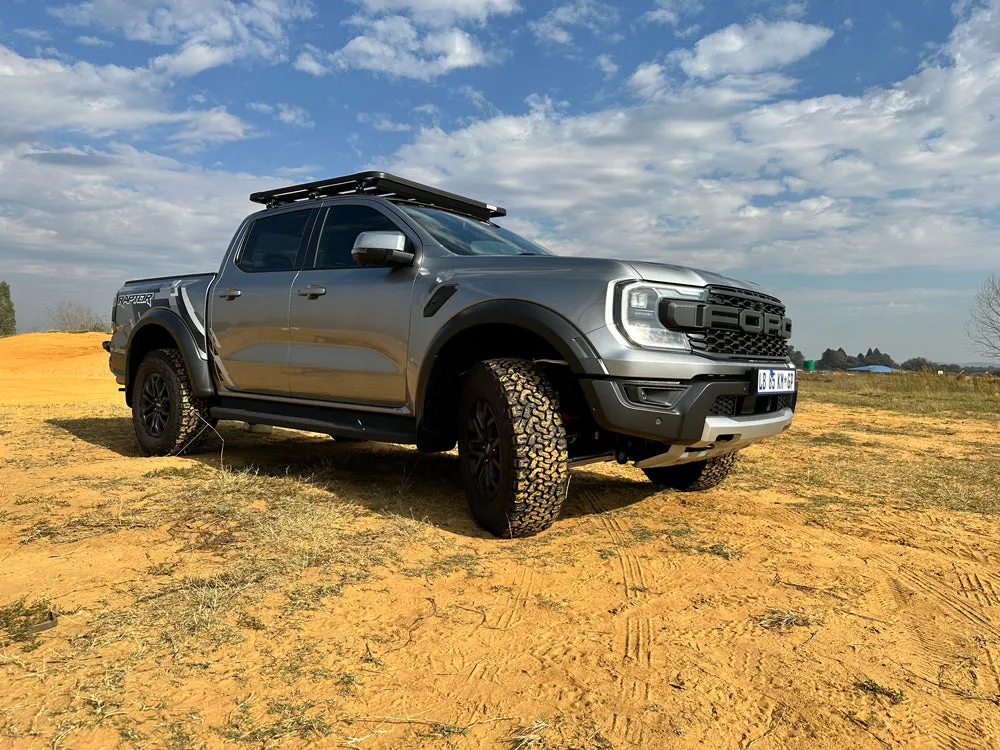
870,686
528,737
19,620
785,619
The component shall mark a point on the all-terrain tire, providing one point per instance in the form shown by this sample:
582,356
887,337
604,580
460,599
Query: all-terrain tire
695,476
183,421
527,475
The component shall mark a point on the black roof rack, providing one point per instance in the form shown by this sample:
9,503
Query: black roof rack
378,183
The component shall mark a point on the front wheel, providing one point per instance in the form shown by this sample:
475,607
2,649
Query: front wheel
695,476
512,447
166,416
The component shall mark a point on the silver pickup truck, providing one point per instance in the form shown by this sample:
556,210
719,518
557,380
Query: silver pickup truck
372,307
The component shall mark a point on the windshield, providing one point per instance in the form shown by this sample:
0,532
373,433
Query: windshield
463,235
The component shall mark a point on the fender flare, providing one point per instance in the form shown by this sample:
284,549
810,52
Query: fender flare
194,358
564,337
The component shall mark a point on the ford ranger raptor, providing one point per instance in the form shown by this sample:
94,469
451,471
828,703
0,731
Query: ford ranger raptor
370,307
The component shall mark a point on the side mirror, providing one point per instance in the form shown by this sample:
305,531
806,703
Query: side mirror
381,249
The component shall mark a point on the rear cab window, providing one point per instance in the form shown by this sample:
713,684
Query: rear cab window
273,242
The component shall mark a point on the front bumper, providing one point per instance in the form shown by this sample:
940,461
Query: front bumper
696,419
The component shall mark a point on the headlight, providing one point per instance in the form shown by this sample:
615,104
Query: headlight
639,317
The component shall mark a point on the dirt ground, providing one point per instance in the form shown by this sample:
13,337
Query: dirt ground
842,590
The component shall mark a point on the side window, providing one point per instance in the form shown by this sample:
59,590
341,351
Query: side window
273,243
342,226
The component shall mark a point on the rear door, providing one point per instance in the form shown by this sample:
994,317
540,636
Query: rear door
250,303
349,325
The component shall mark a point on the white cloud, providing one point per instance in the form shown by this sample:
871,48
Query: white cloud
206,33
289,114
93,41
648,80
43,95
383,123
442,12
477,98
795,10
673,12
606,64
555,26
396,46
193,59
38,35
753,48
308,61
295,116
419,39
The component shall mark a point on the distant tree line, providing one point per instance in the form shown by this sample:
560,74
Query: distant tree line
841,360
838,359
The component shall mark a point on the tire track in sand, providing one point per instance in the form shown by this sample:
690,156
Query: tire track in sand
961,595
633,572
634,646
636,651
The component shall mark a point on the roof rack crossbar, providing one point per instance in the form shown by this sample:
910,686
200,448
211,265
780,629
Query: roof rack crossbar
381,184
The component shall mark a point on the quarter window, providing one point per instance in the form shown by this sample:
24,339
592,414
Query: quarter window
342,226
273,244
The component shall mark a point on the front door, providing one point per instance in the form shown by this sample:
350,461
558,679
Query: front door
249,320
349,325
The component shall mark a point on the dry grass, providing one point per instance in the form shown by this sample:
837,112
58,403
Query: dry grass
20,621
870,686
528,737
909,393
941,473
785,619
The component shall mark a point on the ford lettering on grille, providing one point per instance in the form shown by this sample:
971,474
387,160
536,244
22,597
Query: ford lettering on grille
732,324
694,315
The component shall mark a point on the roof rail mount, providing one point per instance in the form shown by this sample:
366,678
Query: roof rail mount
380,184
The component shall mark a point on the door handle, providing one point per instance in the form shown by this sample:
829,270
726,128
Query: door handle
312,292
230,294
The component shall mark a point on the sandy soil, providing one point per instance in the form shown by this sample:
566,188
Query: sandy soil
635,622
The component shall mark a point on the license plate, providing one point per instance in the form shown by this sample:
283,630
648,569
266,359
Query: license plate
775,381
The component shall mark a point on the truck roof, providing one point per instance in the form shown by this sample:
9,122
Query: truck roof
379,184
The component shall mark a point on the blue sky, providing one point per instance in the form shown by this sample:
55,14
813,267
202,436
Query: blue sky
845,154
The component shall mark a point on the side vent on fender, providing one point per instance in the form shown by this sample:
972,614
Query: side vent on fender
441,295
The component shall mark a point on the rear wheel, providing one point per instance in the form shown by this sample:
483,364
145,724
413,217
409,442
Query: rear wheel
695,476
166,416
512,447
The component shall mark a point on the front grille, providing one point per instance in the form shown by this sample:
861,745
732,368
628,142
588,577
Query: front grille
739,344
733,344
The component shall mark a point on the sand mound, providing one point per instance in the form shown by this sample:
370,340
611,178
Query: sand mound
55,367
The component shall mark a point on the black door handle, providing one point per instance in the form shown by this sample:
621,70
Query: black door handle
312,292
230,294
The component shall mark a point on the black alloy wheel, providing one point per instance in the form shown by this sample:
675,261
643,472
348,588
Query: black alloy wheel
155,406
485,448
167,417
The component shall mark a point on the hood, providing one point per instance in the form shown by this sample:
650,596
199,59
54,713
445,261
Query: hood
583,268
669,274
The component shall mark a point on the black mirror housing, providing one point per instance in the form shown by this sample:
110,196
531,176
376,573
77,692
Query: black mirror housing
381,249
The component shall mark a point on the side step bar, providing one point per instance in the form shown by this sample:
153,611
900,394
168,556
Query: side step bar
381,428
